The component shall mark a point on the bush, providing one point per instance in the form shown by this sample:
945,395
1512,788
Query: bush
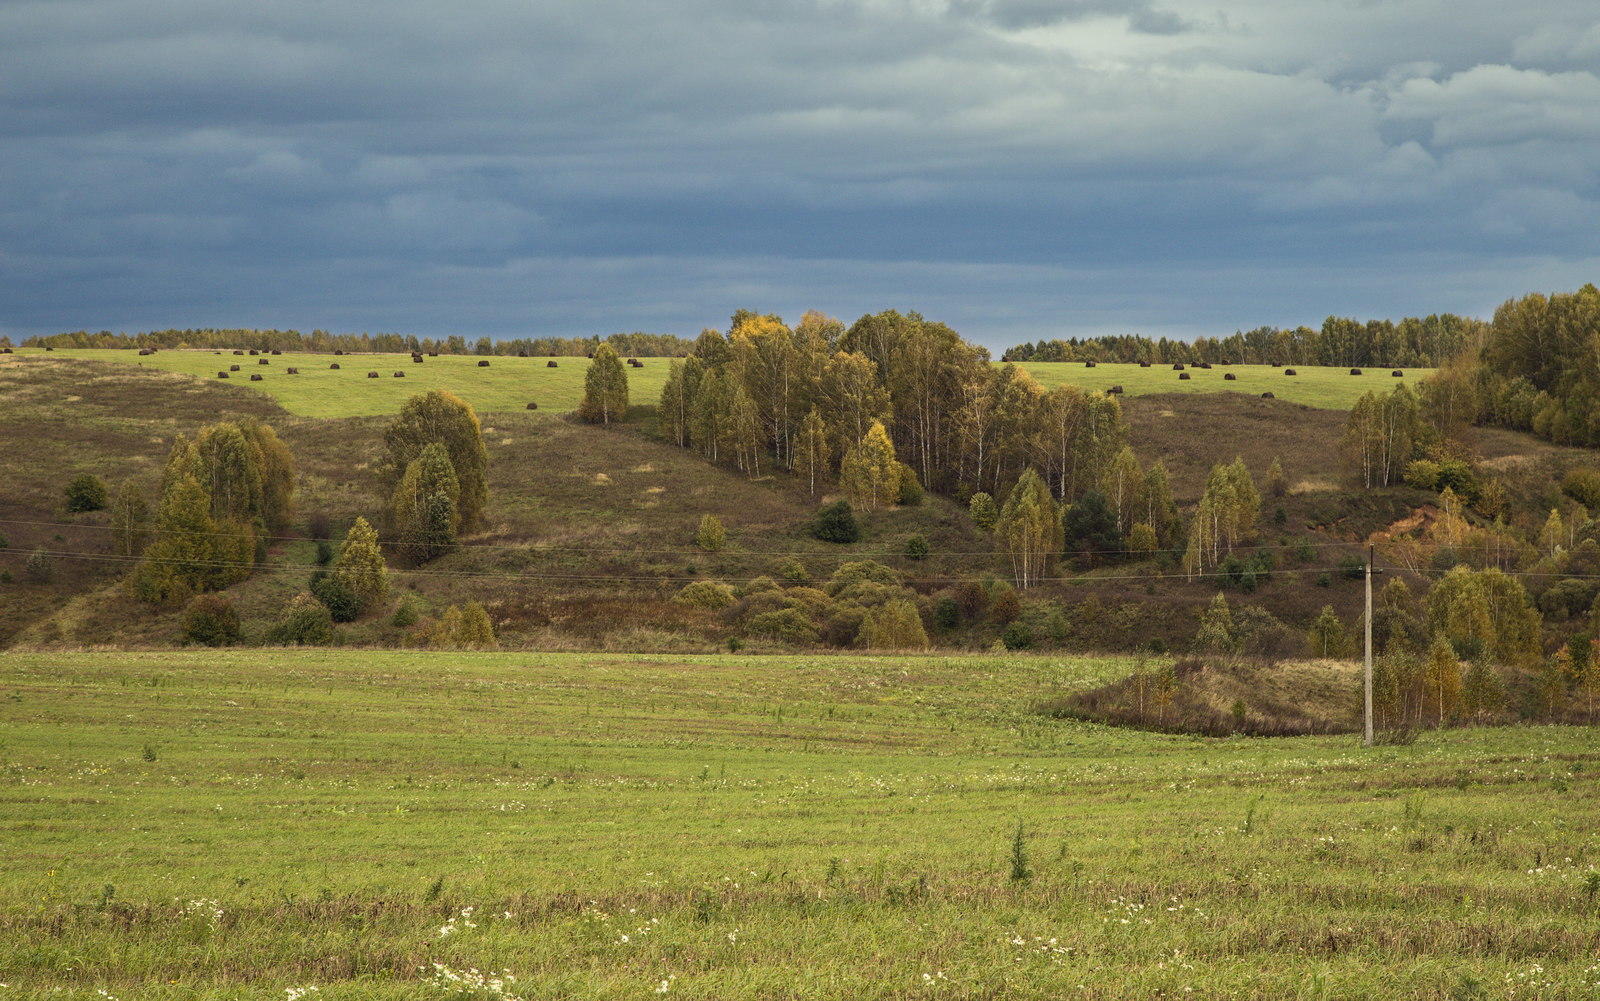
306,622
1004,605
1017,636
711,536
705,594
1423,474
916,548
910,489
836,522
894,625
86,493
406,615
793,571
324,552
788,625
1142,539
211,621
40,567
946,612
1583,486
336,595
983,510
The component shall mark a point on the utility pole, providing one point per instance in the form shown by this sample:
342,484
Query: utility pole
1366,735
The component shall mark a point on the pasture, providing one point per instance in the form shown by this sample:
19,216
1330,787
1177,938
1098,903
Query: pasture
1324,387
342,825
510,383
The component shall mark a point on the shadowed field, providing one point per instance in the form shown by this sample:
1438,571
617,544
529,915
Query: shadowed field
236,824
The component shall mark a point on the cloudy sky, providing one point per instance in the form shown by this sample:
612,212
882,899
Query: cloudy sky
1018,168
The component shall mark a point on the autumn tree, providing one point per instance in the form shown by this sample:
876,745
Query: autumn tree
425,512
441,417
360,567
870,473
1442,680
1029,529
130,517
605,388
810,456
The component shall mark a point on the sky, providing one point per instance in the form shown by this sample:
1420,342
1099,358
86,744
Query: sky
1020,169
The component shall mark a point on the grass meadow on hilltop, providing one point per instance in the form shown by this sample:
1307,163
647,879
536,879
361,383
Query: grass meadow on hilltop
242,824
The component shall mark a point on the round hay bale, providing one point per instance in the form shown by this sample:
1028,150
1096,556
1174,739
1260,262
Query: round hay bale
1183,375
277,352
372,375
1269,395
334,365
433,354
1228,377
256,377
233,368
1114,391
1178,367
338,351
1205,365
293,370
264,361
1398,374
416,359
522,354
1088,364
238,352
484,363
551,364
399,375
254,352
532,405
1144,364
222,375
1355,371
1290,371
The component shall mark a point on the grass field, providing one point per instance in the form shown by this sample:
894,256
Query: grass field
1322,387
245,825
319,391
511,383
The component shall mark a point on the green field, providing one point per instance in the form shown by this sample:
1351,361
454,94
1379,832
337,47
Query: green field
1315,386
511,383
319,391
244,824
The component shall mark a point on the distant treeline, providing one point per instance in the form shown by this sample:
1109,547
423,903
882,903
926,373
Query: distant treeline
648,345
1414,341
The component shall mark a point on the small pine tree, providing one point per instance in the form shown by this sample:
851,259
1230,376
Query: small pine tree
85,493
917,548
711,536
405,615
1215,634
333,592
909,492
360,567
983,510
836,522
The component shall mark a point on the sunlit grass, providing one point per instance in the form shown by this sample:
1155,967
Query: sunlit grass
1314,386
245,824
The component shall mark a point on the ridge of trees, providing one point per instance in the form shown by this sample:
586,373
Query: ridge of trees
323,342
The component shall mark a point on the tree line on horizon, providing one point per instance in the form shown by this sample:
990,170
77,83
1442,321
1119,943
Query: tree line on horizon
323,342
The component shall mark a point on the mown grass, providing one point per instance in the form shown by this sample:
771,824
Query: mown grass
232,825
320,391
1327,388
512,383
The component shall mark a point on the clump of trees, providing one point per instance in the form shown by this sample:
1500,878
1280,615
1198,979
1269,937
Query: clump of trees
438,462
637,344
221,496
86,492
605,388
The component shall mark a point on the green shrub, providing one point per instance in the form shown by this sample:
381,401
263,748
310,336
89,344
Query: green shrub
1583,486
406,615
336,595
910,489
983,510
916,548
792,571
1004,605
1017,636
755,586
788,625
1142,539
705,594
1423,474
894,625
86,493
946,612
836,522
40,567
711,536
306,622
324,552
211,621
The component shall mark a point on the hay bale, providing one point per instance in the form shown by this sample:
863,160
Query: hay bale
1398,374
551,364
1114,391
1205,365
233,368
1183,375
264,361
532,405
1269,395
276,352
334,365
522,354
1228,377
433,354
372,375
1355,371
1290,371
294,371
222,375
1178,367
1088,364
338,351
416,359
238,352
484,363
254,352
1144,364
399,375
256,377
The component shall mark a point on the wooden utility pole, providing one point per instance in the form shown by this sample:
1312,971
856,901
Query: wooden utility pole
1366,733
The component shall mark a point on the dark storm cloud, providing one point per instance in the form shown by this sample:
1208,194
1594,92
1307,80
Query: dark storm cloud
1023,168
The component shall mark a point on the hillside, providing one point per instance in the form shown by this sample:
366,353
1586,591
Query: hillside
224,824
